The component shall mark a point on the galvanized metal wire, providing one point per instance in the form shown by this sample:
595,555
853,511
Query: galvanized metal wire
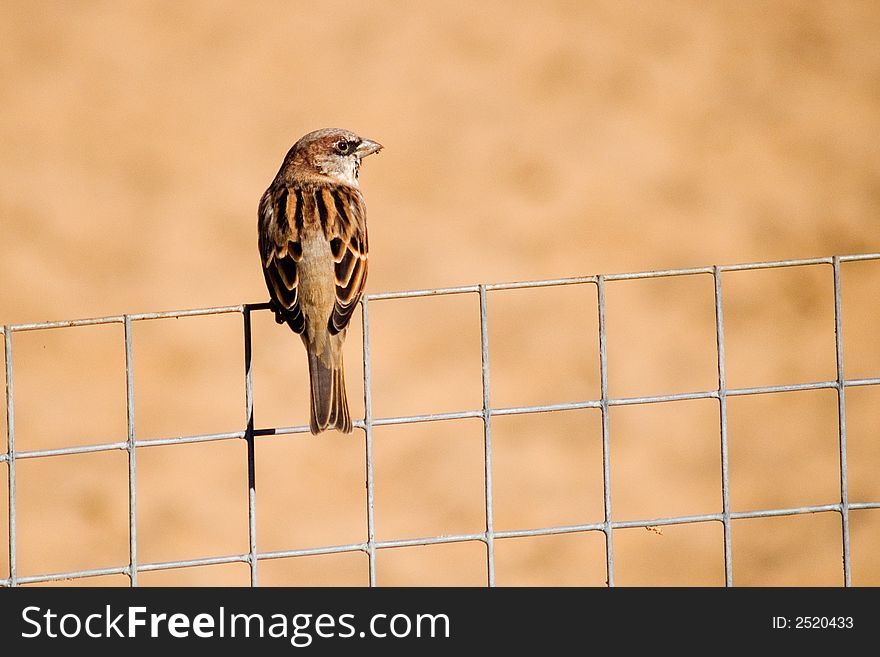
490,535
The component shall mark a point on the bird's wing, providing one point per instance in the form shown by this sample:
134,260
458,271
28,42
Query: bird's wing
280,221
346,229
342,215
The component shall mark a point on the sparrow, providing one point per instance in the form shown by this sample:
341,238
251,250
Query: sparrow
312,225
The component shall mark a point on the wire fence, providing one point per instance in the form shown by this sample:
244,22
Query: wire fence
370,546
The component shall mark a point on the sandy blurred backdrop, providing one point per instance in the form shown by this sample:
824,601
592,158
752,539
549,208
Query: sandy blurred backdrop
523,140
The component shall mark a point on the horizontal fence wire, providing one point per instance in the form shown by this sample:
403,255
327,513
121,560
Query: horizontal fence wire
488,537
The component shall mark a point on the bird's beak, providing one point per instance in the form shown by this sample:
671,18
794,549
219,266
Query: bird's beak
367,147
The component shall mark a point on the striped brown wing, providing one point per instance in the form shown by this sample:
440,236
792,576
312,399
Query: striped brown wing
280,219
346,229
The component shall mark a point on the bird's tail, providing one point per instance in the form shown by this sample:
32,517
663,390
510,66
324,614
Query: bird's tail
329,409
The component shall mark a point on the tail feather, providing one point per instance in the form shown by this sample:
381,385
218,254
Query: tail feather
329,407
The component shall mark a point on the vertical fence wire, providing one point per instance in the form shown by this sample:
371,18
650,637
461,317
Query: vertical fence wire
10,452
132,455
606,434
487,437
249,439
841,418
368,442
722,414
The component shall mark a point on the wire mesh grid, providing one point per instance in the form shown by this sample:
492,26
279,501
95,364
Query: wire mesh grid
488,537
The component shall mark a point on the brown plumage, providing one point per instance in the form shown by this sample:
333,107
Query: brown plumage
312,225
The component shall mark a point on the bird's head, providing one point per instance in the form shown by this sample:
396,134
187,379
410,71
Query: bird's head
331,153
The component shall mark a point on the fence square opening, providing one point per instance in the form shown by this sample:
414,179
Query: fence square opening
576,559
779,326
665,459
864,536
224,574
449,564
195,493
863,443
425,355
661,336
784,450
801,550
343,569
71,512
860,303
189,376
544,346
429,479
690,554
547,469
310,491
69,387
281,372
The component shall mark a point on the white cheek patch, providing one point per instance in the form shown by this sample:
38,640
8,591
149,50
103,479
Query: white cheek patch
350,170
343,169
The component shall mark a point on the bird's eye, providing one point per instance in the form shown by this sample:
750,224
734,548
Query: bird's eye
342,147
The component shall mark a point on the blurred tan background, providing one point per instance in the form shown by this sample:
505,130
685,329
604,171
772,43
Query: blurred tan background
523,141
